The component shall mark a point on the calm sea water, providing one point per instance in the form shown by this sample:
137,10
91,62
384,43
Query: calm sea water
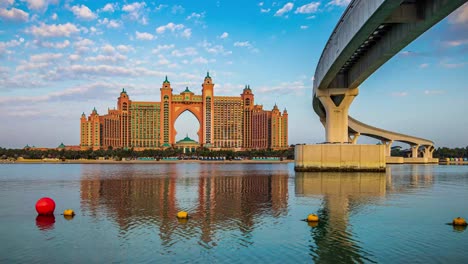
239,213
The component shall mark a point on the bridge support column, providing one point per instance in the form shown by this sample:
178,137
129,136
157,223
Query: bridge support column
388,147
353,138
428,151
336,103
414,151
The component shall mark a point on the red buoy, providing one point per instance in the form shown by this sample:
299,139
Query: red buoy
45,206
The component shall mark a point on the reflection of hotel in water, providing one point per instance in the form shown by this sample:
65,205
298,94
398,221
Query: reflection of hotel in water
236,199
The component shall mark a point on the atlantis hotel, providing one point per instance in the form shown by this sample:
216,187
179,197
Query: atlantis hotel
226,122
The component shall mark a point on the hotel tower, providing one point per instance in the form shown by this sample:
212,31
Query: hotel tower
226,122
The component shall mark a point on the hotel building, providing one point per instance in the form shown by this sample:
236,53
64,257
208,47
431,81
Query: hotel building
226,122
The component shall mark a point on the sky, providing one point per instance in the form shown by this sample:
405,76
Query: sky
60,58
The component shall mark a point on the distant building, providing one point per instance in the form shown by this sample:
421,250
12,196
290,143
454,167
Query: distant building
60,147
187,145
226,122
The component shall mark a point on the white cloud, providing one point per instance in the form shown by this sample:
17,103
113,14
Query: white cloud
408,53
169,27
199,60
160,48
54,16
69,93
196,16
285,9
144,36
136,11
74,57
109,7
184,52
83,45
341,3
112,23
83,12
260,4
214,49
9,44
453,65
433,92
163,61
187,33
6,2
107,58
308,8
304,27
54,30
224,35
265,10
159,7
296,87
455,43
40,5
242,44
460,16
310,17
14,14
108,49
178,9
399,94
45,57
125,48
52,45
106,70
424,65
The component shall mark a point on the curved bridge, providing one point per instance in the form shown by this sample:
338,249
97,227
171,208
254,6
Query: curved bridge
357,128
367,35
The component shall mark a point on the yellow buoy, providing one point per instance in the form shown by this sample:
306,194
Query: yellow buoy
459,222
68,212
312,218
182,215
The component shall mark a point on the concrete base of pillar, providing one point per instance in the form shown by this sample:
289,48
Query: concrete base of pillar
339,157
420,160
394,160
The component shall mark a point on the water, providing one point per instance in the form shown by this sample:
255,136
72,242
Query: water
239,213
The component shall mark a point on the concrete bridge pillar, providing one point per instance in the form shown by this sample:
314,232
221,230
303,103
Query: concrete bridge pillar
353,138
414,151
336,103
428,151
388,147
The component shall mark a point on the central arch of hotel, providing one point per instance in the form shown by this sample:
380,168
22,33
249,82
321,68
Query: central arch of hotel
194,108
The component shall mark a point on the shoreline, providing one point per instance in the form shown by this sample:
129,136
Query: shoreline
31,161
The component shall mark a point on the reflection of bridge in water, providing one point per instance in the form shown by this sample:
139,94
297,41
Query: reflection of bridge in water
345,194
213,202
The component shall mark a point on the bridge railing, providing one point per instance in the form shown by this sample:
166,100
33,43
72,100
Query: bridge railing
360,11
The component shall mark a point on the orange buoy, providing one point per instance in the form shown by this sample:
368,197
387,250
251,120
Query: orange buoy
68,212
182,215
312,218
459,222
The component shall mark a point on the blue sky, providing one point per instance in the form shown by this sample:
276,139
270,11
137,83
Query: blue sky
61,58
